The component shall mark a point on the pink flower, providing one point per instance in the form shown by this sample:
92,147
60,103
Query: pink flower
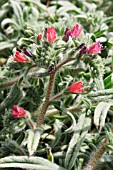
39,36
95,48
20,58
50,34
76,31
18,112
76,87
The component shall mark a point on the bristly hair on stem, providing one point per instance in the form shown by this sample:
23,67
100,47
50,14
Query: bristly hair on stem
93,162
49,91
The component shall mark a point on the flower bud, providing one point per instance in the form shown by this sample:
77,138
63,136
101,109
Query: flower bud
76,87
95,48
39,36
20,58
76,31
18,112
50,34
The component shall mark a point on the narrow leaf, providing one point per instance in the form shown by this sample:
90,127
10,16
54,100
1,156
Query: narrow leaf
32,163
73,126
104,114
98,112
13,98
76,141
33,140
5,45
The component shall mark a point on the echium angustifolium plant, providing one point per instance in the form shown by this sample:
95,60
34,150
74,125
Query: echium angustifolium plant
58,82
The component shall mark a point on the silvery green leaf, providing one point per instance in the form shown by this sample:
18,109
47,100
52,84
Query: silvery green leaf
77,140
31,163
98,112
33,140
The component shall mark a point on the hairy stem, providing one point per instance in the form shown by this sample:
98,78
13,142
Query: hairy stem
9,83
56,97
97,156
21,151
108,10
64,62
46,103
30,123
50,87
47,3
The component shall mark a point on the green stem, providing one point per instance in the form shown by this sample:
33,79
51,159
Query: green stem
100,93
53,112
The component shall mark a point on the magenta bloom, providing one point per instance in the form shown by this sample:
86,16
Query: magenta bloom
20,58
50,34
95,48
76,31
76,87
18,112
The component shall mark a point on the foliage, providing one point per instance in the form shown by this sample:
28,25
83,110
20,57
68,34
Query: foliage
61,129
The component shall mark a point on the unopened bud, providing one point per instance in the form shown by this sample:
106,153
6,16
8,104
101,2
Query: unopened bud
39,36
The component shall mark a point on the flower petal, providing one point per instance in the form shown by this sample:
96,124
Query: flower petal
76,31
50,34
20,58
76,87
95,48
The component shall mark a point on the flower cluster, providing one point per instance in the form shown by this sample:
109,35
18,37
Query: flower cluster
50,35
93,49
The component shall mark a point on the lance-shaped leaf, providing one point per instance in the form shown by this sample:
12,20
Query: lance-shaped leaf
101,113
13,98
8,21
78,137
6,45
25,162
97,113
108,81
57,127
13,147
33,140
18,13
73,126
